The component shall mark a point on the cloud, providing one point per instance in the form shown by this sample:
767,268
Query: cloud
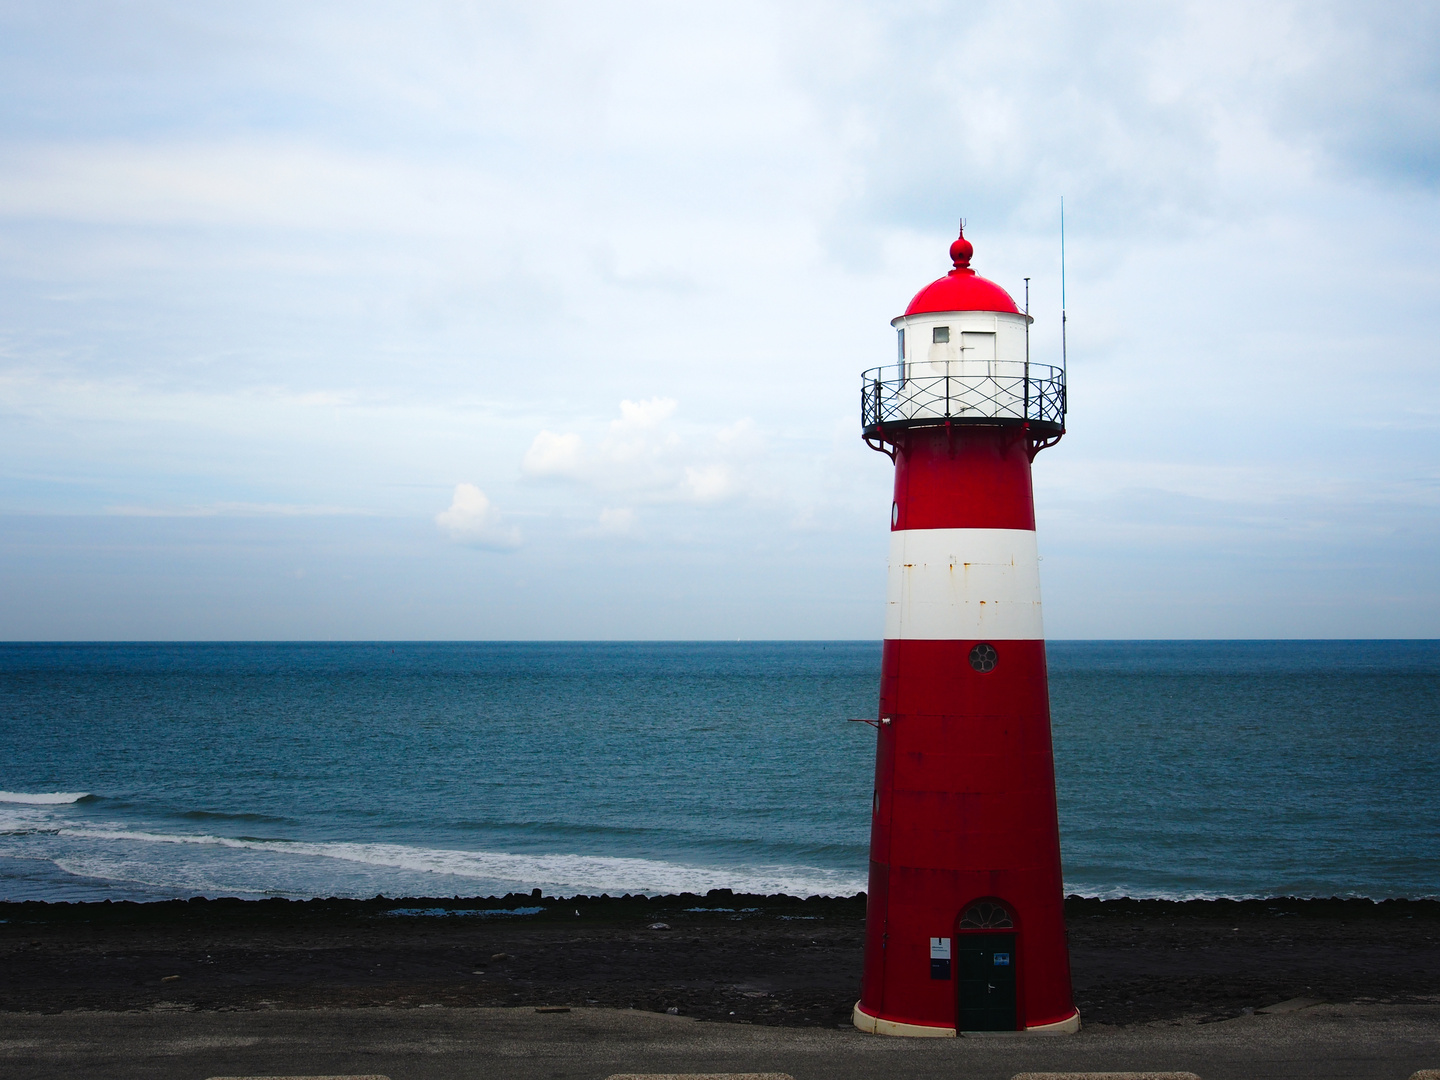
555,455
644,415
644,454
269,182
473,519
708,483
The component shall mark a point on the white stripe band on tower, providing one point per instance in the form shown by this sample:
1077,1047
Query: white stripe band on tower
963,584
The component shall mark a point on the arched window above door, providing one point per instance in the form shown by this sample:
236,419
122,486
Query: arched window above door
986,915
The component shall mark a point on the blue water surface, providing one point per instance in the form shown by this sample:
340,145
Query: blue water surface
440,769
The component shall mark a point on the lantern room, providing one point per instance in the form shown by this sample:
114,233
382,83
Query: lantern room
963,356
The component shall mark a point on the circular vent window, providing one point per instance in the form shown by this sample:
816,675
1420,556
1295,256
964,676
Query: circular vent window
983,657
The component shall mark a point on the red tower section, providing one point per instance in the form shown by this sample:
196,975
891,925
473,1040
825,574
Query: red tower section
965,925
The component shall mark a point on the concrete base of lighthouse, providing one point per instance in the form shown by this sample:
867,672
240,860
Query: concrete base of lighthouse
877,1025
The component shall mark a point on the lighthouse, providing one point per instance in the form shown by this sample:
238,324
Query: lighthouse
965,924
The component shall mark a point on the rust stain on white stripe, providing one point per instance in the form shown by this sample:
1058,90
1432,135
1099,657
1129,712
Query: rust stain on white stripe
997,596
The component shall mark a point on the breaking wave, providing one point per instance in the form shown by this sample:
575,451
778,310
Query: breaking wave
51,798
555,873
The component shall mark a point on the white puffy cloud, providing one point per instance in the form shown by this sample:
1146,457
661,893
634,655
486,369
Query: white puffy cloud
473,519
644,415
708,483
555,455
644,454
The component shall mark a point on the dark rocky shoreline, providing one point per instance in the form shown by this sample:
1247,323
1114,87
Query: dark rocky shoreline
747,959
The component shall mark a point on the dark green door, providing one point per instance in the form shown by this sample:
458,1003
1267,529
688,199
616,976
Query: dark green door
985,981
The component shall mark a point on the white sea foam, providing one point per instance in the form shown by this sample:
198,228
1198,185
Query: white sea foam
148,877
1121,892
558,873
477,913
51,798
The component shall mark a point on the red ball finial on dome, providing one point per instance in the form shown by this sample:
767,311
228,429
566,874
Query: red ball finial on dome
962,289
961,251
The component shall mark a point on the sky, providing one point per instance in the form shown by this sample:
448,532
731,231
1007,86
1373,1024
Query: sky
546,320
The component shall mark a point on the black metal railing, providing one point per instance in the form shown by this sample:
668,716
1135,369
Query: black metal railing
926,393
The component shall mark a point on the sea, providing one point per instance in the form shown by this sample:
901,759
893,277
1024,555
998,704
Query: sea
1184,769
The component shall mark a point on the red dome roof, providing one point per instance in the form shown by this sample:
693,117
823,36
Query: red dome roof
962,289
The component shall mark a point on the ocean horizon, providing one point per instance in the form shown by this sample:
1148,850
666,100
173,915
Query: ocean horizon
1185,769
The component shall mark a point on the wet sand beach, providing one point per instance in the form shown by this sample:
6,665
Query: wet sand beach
777,961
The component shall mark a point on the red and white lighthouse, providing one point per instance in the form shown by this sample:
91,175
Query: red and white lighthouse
965,925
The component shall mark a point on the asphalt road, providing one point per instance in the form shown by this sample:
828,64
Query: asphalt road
1355,1042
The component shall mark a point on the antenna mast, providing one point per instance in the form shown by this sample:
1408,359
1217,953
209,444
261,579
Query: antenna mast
1027,349
1064,359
